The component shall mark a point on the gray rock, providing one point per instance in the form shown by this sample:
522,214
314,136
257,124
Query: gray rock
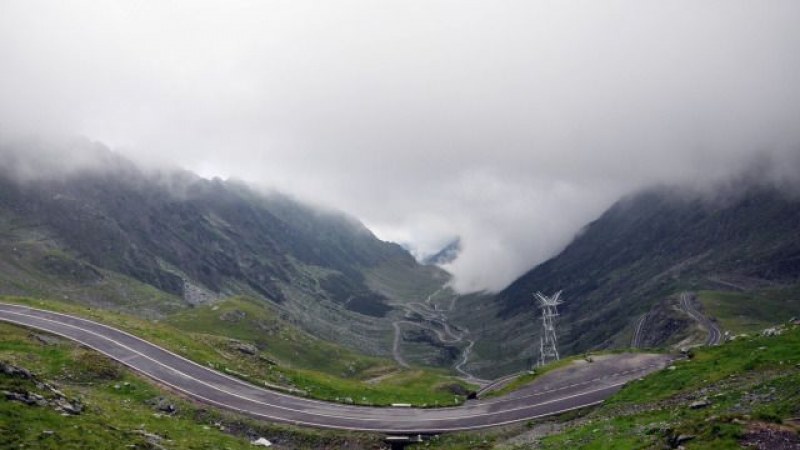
152,439
677,440
243,347
73,408
14,371
57,393
163,405
272,362
37,399
700,404
21,397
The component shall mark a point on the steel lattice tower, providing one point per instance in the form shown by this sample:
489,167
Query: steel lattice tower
548,345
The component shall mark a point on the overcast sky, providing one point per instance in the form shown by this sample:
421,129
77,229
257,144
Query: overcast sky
509,124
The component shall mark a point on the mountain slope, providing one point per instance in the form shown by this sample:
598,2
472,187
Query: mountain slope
446,255
113,226
641,251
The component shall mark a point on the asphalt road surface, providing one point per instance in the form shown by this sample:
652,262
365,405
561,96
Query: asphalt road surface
577,386
636,342
714,333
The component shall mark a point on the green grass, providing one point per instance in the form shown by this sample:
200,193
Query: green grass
718,426
749,312
118,407
748,380
255,322
713,364
646,430
288,357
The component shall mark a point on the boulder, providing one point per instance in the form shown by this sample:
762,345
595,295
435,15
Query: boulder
152,439
162,404
243,347
73,408
14,371
37,399
261,442
702,403
21,397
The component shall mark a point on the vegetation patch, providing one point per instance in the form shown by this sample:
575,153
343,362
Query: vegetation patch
740,312
91,366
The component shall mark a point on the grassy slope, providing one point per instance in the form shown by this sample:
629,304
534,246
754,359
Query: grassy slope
741,312
751,383
325,370
645,248
288,357
118,408
749,380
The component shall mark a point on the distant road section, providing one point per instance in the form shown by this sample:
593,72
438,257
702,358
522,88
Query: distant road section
636,342
577,386
714,333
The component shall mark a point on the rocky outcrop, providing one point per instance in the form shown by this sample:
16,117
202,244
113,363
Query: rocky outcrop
47,395
15,371
243,347
163,405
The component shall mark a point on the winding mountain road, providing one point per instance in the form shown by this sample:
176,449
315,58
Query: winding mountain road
636,342
431,316
576,387
714,333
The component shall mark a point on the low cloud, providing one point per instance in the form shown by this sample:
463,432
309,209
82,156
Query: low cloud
508,124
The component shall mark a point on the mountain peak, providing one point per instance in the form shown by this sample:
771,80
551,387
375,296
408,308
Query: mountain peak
446,255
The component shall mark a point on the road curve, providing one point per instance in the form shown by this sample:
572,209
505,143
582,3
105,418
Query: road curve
636,342
714,333
556,394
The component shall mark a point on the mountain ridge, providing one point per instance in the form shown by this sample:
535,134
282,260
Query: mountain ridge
195,240
647,247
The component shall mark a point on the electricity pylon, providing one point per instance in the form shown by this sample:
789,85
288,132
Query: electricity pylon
548,345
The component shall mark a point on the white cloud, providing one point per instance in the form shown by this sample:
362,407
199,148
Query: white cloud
510,124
